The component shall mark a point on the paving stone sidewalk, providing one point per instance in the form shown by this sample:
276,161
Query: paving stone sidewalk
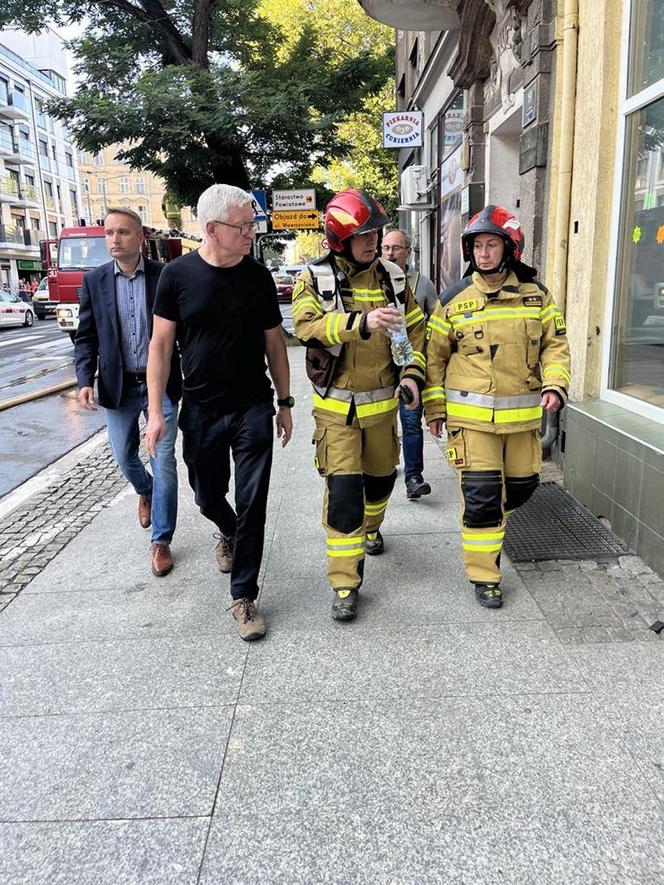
430,741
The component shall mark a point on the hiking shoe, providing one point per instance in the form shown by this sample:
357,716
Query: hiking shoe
489,595
416,487
250,622
224,553
344,604
374,544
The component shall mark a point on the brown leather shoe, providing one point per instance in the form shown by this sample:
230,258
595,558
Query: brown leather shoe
249,621
145,511
162,561
224,553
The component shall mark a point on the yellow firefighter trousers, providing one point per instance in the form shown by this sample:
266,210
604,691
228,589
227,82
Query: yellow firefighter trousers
359,466
497,473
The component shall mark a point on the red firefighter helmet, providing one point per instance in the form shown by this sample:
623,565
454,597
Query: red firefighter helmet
498,221
350,213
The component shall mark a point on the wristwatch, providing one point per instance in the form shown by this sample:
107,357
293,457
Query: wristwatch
288,401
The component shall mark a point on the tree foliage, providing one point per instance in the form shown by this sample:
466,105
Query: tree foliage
365,164
233,91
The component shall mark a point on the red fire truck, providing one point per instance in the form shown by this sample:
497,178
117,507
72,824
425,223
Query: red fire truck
79,249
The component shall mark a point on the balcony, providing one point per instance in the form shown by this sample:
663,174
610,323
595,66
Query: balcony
71,172
8,189
50,203
415,15
11,235
27,196
44,162
13,151
16,107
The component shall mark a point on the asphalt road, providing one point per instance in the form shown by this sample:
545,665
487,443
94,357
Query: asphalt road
34,358
35,434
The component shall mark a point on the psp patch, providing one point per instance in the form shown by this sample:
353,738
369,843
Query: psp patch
559,323
298,289
467,306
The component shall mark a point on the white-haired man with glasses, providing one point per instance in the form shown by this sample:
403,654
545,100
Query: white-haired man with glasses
221,307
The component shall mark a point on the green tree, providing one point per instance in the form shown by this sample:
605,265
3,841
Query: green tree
366,164
211,90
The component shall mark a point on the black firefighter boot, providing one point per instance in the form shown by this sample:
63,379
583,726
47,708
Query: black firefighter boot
344,604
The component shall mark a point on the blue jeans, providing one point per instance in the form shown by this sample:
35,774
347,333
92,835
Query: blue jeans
124,437
412,441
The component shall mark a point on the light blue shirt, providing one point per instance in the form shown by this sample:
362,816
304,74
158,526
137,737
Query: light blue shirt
132,315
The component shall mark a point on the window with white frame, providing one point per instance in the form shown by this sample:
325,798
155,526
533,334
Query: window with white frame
140,185
143,212
124,185
636,367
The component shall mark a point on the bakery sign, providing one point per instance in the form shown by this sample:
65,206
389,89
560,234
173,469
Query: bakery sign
402,129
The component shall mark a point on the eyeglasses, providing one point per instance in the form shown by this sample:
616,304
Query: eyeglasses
394,248
243,228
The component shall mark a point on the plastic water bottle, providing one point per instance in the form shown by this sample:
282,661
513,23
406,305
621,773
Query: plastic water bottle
402,350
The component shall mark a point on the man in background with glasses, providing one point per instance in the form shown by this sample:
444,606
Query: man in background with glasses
397,247
221,307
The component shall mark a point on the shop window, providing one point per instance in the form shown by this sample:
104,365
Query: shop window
637,365
646,44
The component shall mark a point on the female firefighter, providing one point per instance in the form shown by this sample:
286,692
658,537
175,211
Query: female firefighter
497,356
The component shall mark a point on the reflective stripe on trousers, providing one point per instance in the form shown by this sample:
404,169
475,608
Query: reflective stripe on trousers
496,409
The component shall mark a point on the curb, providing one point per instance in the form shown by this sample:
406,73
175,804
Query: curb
36,394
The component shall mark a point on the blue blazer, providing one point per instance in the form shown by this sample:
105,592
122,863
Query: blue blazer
97,344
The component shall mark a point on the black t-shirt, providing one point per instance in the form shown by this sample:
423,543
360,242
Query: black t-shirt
221,315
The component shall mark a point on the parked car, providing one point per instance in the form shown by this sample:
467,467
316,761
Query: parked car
284,283
13,311
41,301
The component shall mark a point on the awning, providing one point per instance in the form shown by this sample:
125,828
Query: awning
414,15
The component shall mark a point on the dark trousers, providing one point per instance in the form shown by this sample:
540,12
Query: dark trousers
412,441
208,438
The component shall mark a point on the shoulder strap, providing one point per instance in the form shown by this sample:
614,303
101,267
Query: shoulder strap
328,282
324,279
395,282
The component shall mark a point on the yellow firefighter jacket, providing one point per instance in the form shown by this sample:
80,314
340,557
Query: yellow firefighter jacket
490,356
365,375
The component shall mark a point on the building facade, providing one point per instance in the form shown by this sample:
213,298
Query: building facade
613,431
39,186
555,110
107,181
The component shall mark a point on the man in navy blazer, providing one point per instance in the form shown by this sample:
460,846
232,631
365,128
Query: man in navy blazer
115,325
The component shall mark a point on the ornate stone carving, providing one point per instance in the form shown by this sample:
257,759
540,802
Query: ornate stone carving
505,39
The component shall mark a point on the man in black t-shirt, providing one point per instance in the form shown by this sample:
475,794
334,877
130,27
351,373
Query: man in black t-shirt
221,307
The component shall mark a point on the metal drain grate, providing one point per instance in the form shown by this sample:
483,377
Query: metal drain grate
553,525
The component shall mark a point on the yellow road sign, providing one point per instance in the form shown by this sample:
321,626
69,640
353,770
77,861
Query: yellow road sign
303,219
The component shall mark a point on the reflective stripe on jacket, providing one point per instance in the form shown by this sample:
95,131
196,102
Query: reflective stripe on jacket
491,355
